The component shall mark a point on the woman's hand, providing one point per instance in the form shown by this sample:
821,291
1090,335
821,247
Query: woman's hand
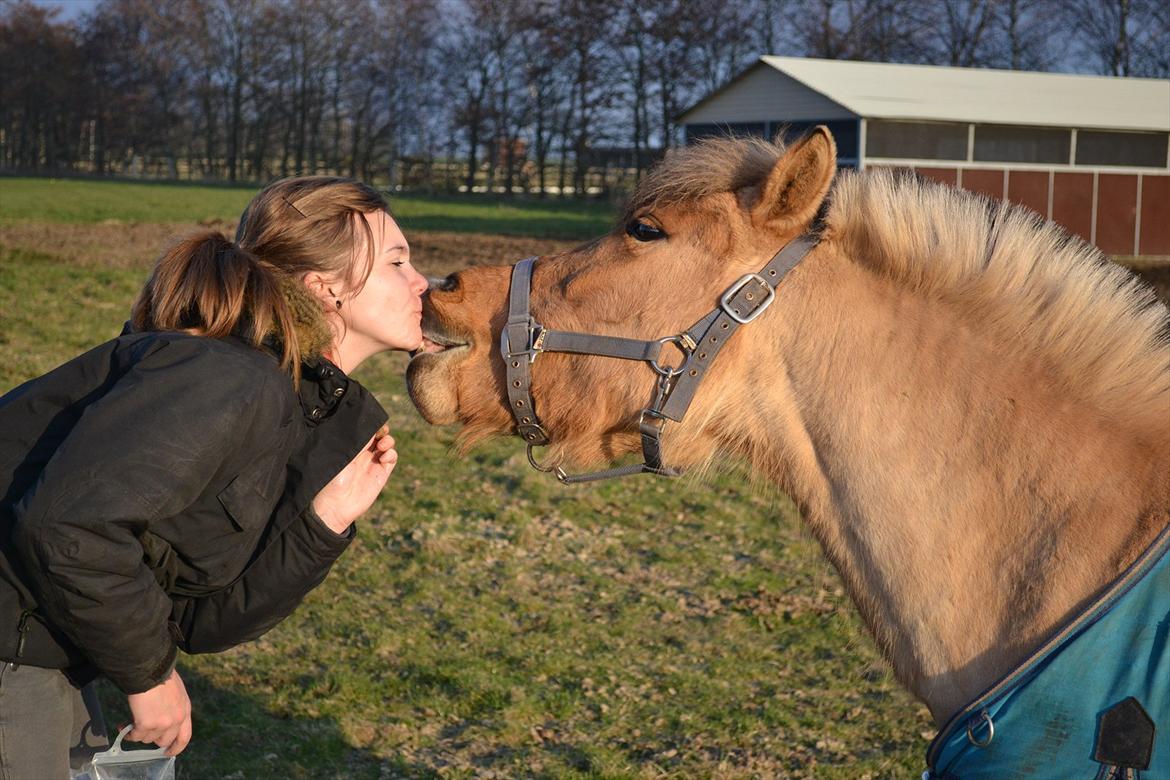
162,715
355,487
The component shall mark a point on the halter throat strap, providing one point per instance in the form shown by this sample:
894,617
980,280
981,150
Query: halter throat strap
523,339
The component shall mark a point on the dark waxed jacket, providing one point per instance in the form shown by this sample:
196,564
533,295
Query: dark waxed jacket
156,495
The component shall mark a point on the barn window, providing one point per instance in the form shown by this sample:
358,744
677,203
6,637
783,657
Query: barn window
1096,147
915,140
1008,143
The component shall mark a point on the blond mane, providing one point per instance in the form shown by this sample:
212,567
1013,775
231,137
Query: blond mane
1044,291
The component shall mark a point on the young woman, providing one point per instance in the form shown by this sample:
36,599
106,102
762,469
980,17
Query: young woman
186,484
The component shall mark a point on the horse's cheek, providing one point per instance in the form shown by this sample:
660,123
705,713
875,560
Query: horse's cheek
431,384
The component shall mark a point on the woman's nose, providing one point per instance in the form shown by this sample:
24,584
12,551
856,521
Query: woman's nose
420,283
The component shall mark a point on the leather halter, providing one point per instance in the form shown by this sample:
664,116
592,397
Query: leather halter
522,339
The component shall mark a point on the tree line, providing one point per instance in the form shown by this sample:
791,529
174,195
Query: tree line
505,95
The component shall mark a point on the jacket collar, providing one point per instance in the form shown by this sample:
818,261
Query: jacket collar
323,384
322,387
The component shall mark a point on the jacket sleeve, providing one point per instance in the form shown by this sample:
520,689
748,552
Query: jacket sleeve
287,568
145,451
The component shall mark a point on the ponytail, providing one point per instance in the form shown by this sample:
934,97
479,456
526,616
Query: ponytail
208,286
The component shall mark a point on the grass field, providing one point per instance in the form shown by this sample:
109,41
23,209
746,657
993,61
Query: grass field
489,622
96,201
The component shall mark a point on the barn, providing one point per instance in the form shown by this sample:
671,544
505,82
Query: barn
1089,152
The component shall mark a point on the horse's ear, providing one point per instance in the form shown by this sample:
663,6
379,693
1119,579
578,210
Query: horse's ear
793,190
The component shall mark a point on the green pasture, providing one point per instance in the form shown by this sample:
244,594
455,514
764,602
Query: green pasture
95,201
491,623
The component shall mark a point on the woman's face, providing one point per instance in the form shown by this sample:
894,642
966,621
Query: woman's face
384,313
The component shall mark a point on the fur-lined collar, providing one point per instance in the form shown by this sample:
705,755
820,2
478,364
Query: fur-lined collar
314,335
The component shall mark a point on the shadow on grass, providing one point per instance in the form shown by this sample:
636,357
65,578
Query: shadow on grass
237,736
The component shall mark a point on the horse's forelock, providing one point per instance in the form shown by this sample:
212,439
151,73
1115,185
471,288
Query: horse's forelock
709,167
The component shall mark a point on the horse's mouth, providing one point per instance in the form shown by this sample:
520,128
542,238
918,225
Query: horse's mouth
436,342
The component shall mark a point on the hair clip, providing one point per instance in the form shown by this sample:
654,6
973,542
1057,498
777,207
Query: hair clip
289,203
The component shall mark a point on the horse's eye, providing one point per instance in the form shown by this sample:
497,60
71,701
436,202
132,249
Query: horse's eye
644,232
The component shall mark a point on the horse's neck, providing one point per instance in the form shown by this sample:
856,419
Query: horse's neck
969,508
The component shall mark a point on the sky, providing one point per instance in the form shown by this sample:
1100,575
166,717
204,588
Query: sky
70,9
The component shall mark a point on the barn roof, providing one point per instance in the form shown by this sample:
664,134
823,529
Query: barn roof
928,92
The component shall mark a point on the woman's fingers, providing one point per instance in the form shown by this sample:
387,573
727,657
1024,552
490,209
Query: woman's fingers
383,448
162,737
182,739
140,734
169,737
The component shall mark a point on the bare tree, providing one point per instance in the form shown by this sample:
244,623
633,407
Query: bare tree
543,48
881,30
721,44
963,30
1151,50
1104,29
633,51
676,27
471,68
589,29
1023,33
39,98
1123,37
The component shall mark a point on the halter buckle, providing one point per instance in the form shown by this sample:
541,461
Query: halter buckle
533,347
733,290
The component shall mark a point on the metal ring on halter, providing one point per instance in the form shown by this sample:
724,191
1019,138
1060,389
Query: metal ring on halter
981,743
556,470
669,372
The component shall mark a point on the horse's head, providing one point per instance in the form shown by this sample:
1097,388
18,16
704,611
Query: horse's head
705,217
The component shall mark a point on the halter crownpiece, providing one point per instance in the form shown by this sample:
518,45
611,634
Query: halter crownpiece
522,339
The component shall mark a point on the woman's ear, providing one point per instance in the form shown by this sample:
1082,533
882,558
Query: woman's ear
321,288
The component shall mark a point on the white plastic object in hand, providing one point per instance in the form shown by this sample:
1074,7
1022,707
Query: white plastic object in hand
119,764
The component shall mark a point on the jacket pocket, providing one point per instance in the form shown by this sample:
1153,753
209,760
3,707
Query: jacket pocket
245,504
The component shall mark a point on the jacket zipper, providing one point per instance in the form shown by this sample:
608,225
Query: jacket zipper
22,630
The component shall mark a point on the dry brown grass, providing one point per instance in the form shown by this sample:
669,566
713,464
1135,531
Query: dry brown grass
135,245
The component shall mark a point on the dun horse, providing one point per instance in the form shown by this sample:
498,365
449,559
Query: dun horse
970,409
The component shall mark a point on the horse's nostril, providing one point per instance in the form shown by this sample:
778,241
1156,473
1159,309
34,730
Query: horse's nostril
443,283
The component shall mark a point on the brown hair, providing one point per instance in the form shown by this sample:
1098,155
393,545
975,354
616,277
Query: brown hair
209,286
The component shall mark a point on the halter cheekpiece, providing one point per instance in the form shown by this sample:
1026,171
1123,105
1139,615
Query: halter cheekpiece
522,339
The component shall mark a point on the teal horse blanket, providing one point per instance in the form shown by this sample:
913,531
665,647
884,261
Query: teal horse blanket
1092,702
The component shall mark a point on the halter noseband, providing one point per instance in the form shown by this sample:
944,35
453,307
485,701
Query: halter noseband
522,339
